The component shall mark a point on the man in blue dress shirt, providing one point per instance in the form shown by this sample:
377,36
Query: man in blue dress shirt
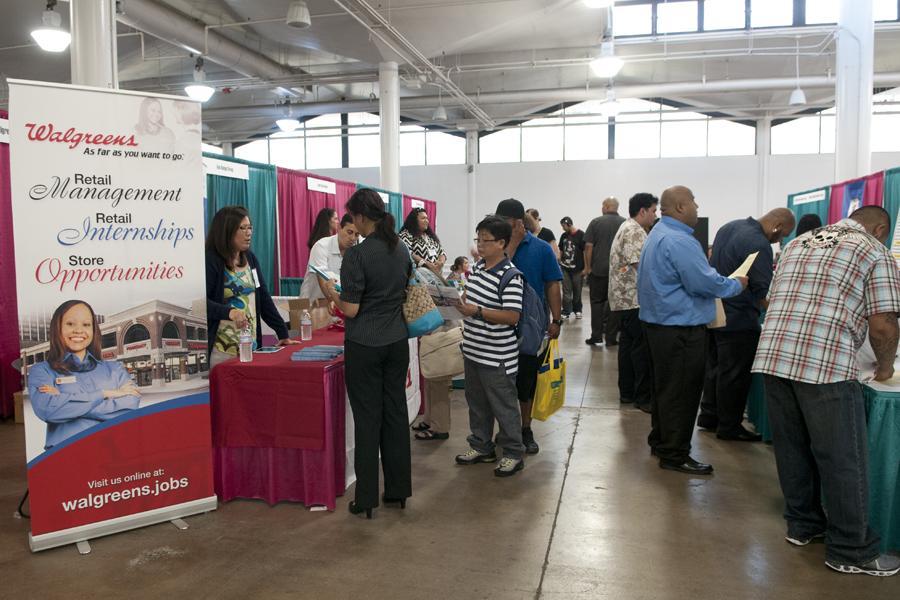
677,290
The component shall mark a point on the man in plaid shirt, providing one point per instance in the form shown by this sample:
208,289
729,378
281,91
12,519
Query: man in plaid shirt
832,285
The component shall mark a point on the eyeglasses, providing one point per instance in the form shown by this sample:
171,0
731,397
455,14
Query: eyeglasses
481,241
246,227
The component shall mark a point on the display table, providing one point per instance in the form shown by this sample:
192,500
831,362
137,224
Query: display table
279,427
883,424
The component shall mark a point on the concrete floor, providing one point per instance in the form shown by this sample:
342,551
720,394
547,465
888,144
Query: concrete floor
592,516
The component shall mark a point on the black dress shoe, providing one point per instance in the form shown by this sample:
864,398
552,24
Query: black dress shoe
387,500
592,341
708,423
741,436
358,510
689,466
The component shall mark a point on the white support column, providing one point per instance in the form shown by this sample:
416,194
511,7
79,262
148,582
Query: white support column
471,174
763,152
853,89
93,50
389,105
228,148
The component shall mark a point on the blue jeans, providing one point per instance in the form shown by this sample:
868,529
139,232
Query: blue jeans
819,434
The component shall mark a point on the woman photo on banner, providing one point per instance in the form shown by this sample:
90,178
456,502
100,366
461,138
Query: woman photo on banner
151,127
236,294
74,389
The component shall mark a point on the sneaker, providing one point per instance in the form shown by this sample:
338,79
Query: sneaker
531,446
803,541
473,456
578,315
565,316
880,566
509,466
593,341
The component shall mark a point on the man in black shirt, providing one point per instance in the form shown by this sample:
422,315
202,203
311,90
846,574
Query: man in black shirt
571,259
733,347
543,233
598,239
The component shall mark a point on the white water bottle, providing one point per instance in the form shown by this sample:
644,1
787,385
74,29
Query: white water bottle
305,326
246,345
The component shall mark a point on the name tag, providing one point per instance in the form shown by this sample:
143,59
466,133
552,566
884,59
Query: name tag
255,278
63,380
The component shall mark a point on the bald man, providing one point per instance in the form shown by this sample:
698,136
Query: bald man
732,347
677,289
834,286
598,239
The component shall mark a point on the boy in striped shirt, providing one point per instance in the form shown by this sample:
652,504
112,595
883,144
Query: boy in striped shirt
491,353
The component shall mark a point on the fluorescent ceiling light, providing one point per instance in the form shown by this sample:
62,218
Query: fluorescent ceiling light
51,36
598,3
199,90
608,64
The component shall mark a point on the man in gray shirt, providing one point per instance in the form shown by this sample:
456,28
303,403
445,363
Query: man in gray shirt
598,239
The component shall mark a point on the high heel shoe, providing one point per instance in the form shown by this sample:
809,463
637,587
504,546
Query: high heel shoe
387,500
357,510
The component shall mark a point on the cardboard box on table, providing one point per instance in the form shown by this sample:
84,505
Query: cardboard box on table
318,310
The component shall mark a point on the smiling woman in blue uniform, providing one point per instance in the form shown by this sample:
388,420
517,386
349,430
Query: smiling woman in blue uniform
74,389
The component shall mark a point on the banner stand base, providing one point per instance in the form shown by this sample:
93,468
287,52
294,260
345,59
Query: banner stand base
80,535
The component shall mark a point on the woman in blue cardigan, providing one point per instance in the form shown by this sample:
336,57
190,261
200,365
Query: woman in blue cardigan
236,294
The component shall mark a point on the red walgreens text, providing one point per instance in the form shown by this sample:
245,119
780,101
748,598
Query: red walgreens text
48,133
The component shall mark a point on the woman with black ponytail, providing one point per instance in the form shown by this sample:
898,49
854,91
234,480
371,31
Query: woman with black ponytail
374,275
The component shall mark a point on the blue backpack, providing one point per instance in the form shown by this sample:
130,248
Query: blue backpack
535,318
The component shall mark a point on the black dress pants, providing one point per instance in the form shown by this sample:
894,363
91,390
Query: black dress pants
730,355
376,384
678,355
604,324
635,376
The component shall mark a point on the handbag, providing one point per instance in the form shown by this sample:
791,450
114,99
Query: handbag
440,354
550,393
419,310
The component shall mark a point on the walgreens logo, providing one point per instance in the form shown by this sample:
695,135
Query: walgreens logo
73,138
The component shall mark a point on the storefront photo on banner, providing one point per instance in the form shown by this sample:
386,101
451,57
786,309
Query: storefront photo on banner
107,191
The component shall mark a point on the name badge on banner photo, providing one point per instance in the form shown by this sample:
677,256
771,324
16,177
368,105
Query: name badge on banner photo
107,213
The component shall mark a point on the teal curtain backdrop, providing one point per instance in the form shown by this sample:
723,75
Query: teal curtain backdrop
395,206
892,197
819,207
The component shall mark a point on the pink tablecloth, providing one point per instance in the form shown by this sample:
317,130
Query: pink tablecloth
294,468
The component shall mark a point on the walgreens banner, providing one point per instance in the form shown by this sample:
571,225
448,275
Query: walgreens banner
107,191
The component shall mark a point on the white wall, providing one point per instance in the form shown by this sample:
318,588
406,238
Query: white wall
725,187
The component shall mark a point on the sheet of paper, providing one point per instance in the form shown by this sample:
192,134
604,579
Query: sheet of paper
742,270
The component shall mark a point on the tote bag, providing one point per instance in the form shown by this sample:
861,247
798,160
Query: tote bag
551,384
421,315
440,354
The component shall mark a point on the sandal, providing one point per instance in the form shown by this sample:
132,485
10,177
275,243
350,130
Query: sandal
427,435
421,426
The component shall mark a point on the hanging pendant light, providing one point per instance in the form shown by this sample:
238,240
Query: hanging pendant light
287,123
199,90
50,36
607,65
440,113
798,97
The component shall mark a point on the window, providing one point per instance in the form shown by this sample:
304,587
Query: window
108,340
800,136
883,10
727,138
723,14
444,149
542,140
633,20
673,17
886,132
683,134
587,138
323,146
287,150
364,140
827,131
500,146
822,11
637,140
771,13
136,333
257,151
170,331
412,145
211,149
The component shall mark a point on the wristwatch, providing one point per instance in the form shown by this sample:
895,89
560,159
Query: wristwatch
557,322
479,315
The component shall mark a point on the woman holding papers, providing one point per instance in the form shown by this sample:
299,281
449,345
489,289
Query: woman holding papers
327,254
374,275
236,294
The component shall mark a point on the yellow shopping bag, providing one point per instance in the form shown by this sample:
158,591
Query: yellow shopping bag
551,384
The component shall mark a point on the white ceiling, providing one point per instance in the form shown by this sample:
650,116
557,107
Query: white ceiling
485,46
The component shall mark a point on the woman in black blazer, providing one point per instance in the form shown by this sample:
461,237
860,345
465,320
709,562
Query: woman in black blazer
236,294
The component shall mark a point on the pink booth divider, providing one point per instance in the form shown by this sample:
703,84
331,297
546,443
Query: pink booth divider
430,209
872,195
9,328
297,210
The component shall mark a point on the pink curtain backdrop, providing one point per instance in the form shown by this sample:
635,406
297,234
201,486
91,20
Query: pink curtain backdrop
430,210
297,210
873,195
9,326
